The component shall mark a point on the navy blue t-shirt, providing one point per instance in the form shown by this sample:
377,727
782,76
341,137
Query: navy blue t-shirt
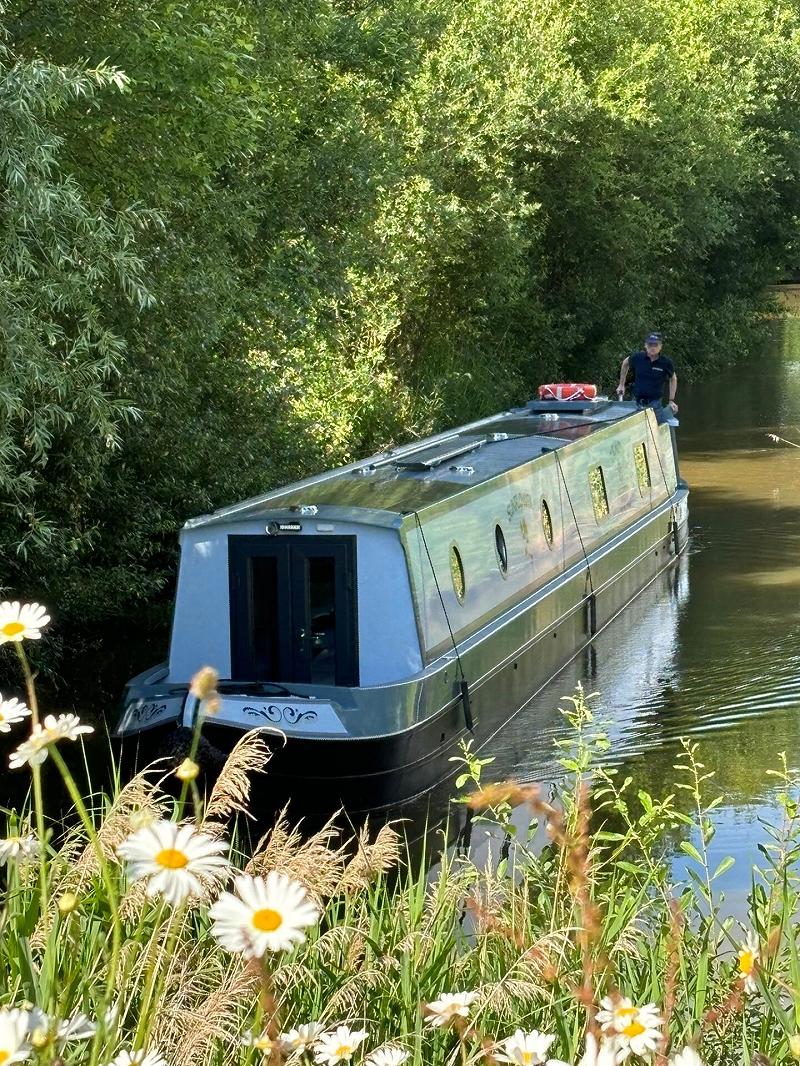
649,377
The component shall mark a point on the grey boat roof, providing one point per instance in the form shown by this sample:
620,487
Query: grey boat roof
413,476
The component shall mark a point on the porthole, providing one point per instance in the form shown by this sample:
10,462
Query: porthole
457,574
501,549
642,468
547,524
597,485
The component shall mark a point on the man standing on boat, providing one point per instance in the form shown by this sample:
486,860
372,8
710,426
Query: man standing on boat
651,372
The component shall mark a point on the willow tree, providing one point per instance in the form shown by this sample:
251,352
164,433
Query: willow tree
62,262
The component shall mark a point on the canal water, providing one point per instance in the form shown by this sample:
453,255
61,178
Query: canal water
711,652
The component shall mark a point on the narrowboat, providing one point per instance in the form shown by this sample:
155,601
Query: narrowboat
375,615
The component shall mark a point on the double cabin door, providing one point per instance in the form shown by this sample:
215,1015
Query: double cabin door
293,609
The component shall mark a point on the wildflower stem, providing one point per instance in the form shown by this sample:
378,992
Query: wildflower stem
110,887
199,717
155,973
33,703
269,1006
38,799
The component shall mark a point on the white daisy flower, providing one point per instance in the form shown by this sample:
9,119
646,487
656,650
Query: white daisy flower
139,1058
602,1054
11,712
387,1056
749,958
65,727
173,858
33,751
339,1046
260,1043
300,1039
76,1027
526,1049
449,1005
18,849
265,915
616,1014
687,1057
635,1028
14,1044
21,622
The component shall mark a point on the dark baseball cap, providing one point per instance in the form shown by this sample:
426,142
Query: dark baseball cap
654,338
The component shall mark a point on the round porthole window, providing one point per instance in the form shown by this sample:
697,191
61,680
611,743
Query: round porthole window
501,549
547,524
457,574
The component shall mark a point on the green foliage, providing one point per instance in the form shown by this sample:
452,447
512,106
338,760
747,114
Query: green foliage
291,234
63,265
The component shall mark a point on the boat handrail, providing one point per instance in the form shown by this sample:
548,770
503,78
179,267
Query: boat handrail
415,461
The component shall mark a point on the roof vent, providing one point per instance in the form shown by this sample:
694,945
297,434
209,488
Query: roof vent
305,509
498,436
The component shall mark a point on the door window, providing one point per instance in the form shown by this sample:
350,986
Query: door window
264,613
322,617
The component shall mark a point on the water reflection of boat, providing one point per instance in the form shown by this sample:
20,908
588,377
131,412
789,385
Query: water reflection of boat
377,613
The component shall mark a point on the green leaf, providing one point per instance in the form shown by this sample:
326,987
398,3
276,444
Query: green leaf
692,851
724,866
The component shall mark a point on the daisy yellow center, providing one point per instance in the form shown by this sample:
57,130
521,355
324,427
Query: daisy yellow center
12,629
343,1050
746,961
527,1056
172,859
4,1055
627,1012
267,920
633,1029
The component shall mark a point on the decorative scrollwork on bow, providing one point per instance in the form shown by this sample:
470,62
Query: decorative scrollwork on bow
282,715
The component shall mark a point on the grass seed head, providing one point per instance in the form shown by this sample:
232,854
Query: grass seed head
203,685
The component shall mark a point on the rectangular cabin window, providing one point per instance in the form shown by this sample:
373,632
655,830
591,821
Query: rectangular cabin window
293,609
642,468
597,485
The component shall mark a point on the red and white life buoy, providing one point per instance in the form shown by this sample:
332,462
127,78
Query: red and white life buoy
569,391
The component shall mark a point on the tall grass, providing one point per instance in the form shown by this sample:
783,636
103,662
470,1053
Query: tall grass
534,941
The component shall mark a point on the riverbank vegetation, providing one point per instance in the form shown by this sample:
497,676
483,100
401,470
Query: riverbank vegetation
146,931
245,241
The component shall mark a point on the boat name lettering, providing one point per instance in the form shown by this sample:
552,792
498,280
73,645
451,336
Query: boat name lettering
146,712
288,715
521,501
